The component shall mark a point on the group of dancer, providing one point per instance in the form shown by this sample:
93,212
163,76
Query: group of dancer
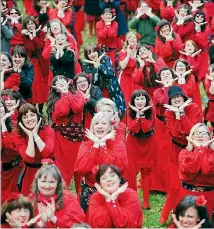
139,101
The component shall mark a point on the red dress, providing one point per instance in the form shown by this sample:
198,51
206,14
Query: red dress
168,12
70,213
41,67
66,148
169,50
197,168
90,158
185,31
34,163
209,110
12,79
125,212
9,176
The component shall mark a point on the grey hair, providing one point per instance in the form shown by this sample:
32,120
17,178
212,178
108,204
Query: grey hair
196,126
97,117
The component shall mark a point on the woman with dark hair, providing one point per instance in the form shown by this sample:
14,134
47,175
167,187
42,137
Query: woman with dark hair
65,110
35,141
34,44
57,206
191,213
196,170
17,212
26,70
102,147
167,9
9,78
114,204
141,120
148,65
183,23
13,100
99,65
9,156
15,20
91,93
181,115
6,33
167,43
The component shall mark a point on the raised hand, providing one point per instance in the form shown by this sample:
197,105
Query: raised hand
3,71
15,106
91,136
146,108
206,144
28,132
11,221
102,192
110,135
36,128
51,209
185,104
43,213
120,190
33,220
141,62
196,53
25,32
35,32
7,115
193,142
139,13
87,93
184,53
150,57
210,76
134,108
171,108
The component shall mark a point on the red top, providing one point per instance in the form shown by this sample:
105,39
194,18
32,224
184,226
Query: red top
107,34
160,97
17,36
65,105
201,38
185,31
66,20
90,158
180,129
197,167
207,84
120,132
12,80
131,64
125,212
168,12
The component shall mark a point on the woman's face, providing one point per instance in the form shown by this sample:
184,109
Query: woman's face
31,26
30,120
10,103
109,181
62,84
18,60
63,3
143,53
82,84
61,39
5,62
13,13
165,30
132,40
107,109
2,110
201,135
189,219
93,55
20,215
166,76
107,16
55,28
177,100
42,3
47,185
101,128
180,67
182,12
199,18
140,102
144,7
189,47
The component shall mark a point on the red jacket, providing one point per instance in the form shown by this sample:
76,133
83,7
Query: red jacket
160,97
90,158
201,38
197,167
107,34
12,80
185,31
66,20
125,212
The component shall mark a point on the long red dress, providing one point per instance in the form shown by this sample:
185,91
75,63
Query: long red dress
41,67
124,212
209,110
9,176
66,148
197,169
34,163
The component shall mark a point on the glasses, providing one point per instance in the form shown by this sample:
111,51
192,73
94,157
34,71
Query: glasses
202,134
82,82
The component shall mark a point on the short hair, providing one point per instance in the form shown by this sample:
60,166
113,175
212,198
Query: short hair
98,116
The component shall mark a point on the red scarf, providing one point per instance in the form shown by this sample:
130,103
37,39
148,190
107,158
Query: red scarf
46,199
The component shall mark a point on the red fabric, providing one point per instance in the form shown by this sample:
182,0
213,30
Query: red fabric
66,20
185,31
79,26
132,5
168,12
29,9
160,97
126,214
120,132
90,158
17,36
169,50
12,80
107,35
10,3
209,115
48,137
70,213
180,129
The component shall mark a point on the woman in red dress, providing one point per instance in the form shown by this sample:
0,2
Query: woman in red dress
148,65
57,207
168,43
196,170
113,205
181,115
101,148
35,141
141,122
65,109
34,44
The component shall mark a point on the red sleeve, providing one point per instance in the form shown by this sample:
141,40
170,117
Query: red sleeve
137,76
39,40
47,50
207,165
101,29
113,29
86,158
120,132
12,80
201,38
159,64
184,30
177,43
189,87
194,62
8,142
146,124
134,124
70,214
189,163
67,18
122,55
167,12
163,50
29,44
160,96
